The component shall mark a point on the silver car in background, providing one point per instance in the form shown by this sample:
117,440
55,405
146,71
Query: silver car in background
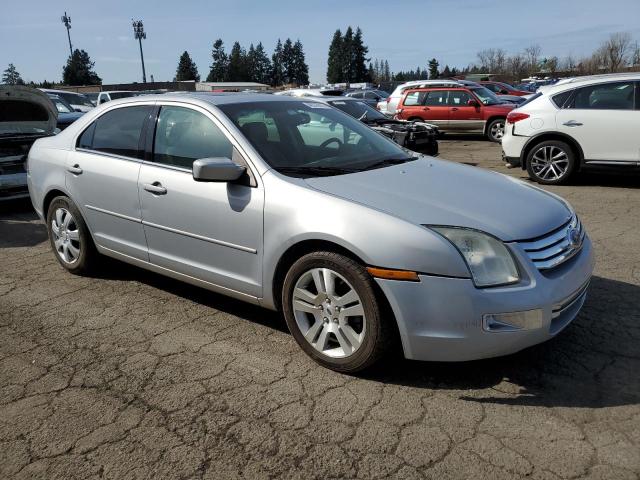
293,205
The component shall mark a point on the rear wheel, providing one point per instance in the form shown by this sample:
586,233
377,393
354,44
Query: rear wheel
551,162
69,236
495,130
332,311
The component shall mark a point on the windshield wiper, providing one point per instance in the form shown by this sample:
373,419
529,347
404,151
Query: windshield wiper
388,162
316,171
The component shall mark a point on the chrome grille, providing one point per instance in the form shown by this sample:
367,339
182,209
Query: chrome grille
556,247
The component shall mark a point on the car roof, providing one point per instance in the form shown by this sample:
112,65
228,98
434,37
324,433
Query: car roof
571,83
57,92
117,91
213,98
329,98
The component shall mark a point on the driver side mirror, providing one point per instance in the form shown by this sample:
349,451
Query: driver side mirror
473,103
504,92
220,169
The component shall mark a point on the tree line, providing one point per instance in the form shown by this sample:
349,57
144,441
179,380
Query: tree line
287,65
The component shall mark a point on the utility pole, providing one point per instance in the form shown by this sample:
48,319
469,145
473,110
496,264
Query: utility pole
138,33
67,23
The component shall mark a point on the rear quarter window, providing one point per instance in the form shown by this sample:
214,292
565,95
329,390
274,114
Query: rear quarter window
560,99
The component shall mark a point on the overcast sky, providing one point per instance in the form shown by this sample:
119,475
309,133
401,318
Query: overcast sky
406,32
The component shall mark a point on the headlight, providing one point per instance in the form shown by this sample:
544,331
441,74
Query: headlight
489,261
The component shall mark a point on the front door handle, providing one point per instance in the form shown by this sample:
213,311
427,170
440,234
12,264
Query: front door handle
76,170
426,108
454,109
156,188
572,123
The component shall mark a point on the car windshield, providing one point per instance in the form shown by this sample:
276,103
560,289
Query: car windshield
62,106
486,96
75,99
359,110
306,138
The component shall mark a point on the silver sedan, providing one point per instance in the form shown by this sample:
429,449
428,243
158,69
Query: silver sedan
293,205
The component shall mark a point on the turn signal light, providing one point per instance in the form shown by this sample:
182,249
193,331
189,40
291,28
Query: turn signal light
514,117
393,274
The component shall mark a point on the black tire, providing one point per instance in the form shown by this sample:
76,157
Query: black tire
379,335
88,255
432,148
495,130
551,148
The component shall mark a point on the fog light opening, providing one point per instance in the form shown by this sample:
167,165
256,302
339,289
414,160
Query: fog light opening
512,321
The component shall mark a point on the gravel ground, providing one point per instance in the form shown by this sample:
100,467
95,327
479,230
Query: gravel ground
132,375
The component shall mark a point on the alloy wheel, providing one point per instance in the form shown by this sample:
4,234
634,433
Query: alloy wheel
66,236
329,312
497,130
550,163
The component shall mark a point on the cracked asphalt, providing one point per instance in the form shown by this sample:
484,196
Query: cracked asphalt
132,375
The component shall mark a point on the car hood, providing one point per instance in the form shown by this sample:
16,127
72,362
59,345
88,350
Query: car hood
439,192
26,111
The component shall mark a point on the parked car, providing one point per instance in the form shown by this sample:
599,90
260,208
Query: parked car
79,102
93,97
370,96
416,136
457,109
66,114
357,241
390,105
502,88
104,97
26,114
591,122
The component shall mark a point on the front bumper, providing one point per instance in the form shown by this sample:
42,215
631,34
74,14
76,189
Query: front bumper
441,319
13,186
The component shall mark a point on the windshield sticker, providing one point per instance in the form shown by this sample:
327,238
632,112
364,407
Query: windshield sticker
338,103
316,105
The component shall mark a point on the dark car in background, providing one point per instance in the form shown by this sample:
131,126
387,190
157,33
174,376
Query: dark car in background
26,114
369,96
66,114
417,136
503,88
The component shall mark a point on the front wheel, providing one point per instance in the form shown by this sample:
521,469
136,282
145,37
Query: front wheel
495,130
551,162
331,309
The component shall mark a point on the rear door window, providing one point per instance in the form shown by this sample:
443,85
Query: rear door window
608,96
117,132
436,98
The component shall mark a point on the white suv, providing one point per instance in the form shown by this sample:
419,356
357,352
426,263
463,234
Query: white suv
582,122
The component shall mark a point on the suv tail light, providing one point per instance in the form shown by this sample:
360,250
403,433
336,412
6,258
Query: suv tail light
514,117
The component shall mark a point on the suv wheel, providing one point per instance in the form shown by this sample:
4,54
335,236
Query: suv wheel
551,162
332,311
69,236
495,130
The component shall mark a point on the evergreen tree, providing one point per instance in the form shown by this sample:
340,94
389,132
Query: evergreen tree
261,65
371,71
220,65
377,74
387,72
300,67
347,57
11,76
250,62
237,71
334,65
446,73
79,70
359,58
187,69
454,72
288,66
277,70
433,68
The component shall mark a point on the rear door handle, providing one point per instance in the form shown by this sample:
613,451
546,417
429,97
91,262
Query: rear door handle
454,109
426,108
572,123
76,170
156,188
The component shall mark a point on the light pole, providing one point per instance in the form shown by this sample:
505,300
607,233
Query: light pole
138,33
67,23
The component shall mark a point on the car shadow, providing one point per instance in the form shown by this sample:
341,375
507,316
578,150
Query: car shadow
19,225
593,363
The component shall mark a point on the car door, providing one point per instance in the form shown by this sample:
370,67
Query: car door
102,178
604,120
462,116
208,230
